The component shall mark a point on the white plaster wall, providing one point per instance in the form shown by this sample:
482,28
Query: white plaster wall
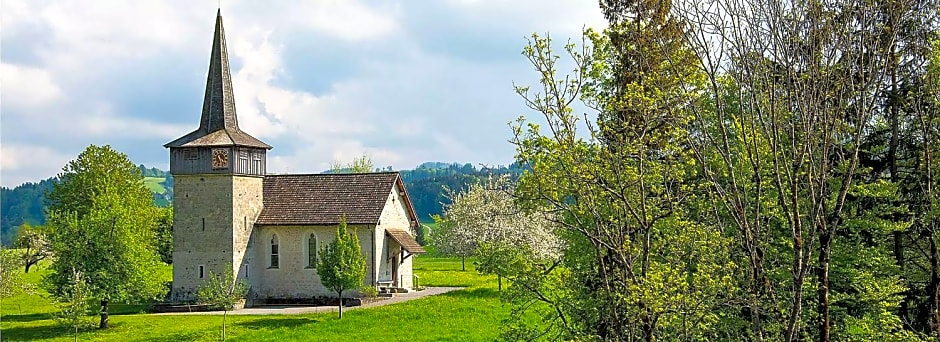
293,278
394,216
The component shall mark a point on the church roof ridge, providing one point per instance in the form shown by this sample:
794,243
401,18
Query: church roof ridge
332,174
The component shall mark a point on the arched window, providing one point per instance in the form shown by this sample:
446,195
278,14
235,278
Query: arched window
312,251
274,252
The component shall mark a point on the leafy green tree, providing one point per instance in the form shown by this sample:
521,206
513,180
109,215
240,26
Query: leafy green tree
222,291
794,90
101,224
636,265
33,243
342,266
164,234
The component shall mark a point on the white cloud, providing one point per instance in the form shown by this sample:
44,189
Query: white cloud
348,20
558,16
21,163
68,64
26,88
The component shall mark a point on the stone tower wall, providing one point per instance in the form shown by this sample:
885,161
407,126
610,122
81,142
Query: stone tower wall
202,233
247,202
212,226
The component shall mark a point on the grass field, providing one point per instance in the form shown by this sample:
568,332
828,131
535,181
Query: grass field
472,314
153,184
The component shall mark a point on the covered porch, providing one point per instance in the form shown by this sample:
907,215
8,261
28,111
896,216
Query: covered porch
400,247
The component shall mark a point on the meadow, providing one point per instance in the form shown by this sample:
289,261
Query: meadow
153,184
471,314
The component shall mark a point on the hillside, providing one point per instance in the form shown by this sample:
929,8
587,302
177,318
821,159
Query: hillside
425,184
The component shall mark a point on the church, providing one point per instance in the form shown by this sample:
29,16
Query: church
228,212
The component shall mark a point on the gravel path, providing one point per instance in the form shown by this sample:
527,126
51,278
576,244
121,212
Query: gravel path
294,310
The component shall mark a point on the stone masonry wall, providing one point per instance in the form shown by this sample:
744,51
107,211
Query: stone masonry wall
202,232
247,202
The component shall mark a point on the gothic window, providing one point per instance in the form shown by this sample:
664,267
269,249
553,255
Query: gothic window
312,251
275,262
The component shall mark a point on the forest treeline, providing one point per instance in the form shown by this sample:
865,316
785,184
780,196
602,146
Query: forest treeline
425,184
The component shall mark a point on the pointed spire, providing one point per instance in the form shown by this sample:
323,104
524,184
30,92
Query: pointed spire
218,125
218,107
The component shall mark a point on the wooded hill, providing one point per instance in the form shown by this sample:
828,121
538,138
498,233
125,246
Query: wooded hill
426,185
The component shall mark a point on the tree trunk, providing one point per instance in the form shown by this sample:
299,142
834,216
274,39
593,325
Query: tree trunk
463,263
224,313
895,178
934,286
28,265
499,282
649,326
822,275
341,304
103,324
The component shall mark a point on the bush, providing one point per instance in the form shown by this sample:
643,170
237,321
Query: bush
369,292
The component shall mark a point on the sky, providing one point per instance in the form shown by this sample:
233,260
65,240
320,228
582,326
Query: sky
322,81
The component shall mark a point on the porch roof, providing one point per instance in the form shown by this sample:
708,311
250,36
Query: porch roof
405,240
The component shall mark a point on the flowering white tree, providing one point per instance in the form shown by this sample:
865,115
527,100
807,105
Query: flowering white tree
486,215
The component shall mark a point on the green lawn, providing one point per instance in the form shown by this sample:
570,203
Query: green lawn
153,184
472,314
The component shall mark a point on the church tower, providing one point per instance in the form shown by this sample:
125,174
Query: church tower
218,171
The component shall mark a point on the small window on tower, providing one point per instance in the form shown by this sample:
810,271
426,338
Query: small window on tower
243,161
202,271
190,154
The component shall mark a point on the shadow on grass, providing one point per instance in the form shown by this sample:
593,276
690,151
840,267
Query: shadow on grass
276,323
37,332
26,317
474,293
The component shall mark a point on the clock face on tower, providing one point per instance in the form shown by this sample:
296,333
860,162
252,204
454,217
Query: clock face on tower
219,158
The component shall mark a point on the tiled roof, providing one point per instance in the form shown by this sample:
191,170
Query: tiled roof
320,199
222,137
405,240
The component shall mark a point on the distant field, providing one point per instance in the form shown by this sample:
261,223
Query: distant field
153,183
472,314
